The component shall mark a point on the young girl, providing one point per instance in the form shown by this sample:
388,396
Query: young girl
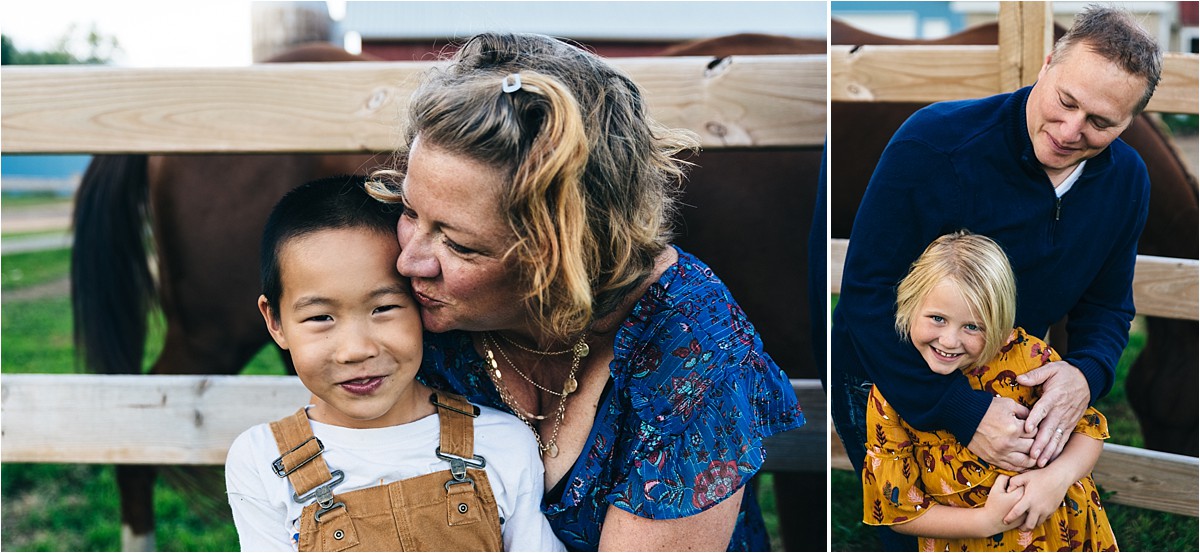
957,307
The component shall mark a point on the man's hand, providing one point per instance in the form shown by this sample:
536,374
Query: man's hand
1000,438
1065,396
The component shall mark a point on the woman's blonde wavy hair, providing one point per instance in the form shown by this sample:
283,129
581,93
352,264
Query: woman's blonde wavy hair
593,180
980,268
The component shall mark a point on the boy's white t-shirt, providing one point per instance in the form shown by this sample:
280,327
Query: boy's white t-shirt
267,518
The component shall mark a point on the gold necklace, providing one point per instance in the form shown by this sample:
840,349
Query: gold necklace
550,447
580,344
568,386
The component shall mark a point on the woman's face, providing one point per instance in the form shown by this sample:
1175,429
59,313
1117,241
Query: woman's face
452,243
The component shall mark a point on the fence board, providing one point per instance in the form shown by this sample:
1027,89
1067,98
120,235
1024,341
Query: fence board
1166,287
919,73
1136,477
1162,286
193,419
1149,479
140,419
1176,92
355,107
914,73
1025,36
185,420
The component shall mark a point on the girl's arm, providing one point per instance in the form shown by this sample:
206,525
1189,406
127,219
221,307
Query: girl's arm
1046,487
941,521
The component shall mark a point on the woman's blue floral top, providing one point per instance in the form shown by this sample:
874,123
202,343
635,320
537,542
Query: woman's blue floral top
681,424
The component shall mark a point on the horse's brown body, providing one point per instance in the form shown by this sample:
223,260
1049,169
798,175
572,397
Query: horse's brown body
1161,384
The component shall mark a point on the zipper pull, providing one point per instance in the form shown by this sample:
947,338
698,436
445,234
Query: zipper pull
1057,208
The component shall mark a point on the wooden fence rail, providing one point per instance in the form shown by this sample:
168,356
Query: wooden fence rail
191,420
1134,476
742,101
913,73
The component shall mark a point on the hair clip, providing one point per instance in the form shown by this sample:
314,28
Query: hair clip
511,83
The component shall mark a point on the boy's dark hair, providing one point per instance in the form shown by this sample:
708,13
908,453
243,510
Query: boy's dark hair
331,203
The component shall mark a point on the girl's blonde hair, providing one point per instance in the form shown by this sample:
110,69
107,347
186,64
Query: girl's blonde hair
984,277
592,179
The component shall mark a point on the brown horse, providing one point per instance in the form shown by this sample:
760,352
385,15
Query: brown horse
747,214
1161,384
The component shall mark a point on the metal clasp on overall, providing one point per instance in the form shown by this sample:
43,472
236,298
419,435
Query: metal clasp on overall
458,466
277,464
324,495
473,413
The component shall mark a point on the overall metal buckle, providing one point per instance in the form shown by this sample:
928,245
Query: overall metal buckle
458,466
277,464
323,494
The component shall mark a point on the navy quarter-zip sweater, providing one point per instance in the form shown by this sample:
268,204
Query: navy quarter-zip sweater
970,164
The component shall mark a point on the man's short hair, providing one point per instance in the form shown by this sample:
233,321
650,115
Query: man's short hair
1113,34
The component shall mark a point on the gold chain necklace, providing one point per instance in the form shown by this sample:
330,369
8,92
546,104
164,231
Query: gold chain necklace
514,343
568,386
551,446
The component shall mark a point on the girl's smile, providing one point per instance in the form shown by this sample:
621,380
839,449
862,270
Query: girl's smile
945,331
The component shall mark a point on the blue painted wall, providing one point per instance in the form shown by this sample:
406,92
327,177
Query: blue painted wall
924,11
42,167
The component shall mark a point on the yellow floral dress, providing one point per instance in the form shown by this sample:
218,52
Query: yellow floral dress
906,470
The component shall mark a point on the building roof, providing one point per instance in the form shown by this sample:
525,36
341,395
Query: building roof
582,20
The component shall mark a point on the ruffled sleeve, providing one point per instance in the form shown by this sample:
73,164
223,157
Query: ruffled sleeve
702,396
687,470
1093,424
893,491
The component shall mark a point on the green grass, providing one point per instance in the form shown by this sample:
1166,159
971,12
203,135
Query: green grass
53,507
766,501
1181,123
23,270
61,507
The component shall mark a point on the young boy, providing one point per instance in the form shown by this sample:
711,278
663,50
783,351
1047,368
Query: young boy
394,465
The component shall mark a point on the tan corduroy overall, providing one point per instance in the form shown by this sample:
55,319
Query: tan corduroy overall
450,510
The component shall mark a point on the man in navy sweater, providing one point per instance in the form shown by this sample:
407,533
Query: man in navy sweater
1040,171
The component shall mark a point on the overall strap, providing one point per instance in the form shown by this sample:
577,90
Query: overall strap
457,436
300,459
